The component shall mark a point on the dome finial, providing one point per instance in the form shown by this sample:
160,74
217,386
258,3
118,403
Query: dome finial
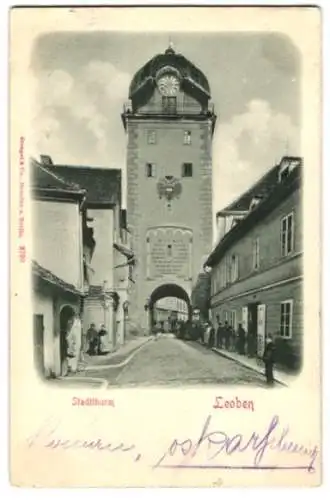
170,49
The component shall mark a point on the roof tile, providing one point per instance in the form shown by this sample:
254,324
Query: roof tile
47,276
103,185
42,178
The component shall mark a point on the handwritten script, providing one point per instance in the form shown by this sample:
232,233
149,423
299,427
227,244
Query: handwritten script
214,449
269,448
48,437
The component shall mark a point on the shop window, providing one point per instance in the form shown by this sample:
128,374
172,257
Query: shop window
286,319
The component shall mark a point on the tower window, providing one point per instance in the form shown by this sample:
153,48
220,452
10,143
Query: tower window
187,137
150,170
187,170
152,137
169,104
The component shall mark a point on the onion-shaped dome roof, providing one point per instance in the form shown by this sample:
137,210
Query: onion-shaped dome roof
170,58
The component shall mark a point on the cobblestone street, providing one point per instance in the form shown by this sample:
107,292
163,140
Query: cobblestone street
172,362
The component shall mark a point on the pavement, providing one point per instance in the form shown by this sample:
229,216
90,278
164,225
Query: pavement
168,361
280,376
165,360
118,358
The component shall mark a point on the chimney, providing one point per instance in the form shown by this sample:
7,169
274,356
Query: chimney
46,160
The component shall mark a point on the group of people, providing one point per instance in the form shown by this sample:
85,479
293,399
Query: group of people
74,344
225,337
94,343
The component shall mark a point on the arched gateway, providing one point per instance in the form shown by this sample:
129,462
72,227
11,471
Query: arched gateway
167,290
169,122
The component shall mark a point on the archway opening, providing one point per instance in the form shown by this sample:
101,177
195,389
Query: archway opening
169,306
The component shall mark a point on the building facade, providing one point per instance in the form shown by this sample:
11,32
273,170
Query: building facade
170,308
169,122
256,266
107,266
59,284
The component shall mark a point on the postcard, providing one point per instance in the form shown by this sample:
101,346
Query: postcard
165,239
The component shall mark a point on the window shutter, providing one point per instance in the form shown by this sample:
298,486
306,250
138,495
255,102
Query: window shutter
245,318
261,329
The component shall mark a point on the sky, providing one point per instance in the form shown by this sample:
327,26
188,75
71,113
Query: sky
81,81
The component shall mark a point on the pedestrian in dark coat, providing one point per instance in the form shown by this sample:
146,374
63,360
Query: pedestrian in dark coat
181,329
92,339
219,336
227,335
211,336
241,339
232,338
269,360
250,343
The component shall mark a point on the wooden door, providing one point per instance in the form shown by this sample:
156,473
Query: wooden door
38,333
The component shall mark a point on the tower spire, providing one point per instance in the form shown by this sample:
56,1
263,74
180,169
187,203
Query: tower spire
170,49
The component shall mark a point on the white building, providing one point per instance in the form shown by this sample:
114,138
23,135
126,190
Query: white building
107,269
59,281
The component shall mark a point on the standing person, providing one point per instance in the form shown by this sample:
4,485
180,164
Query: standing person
91,339
186,330
101,339
196,331
211,336
269,360
241,339
84,344
234,339
220,335
206,331
231,338
227,335
250,343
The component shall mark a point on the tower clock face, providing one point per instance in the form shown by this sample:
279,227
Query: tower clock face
168,85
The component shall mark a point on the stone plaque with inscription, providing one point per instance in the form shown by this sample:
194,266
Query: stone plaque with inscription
169,252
